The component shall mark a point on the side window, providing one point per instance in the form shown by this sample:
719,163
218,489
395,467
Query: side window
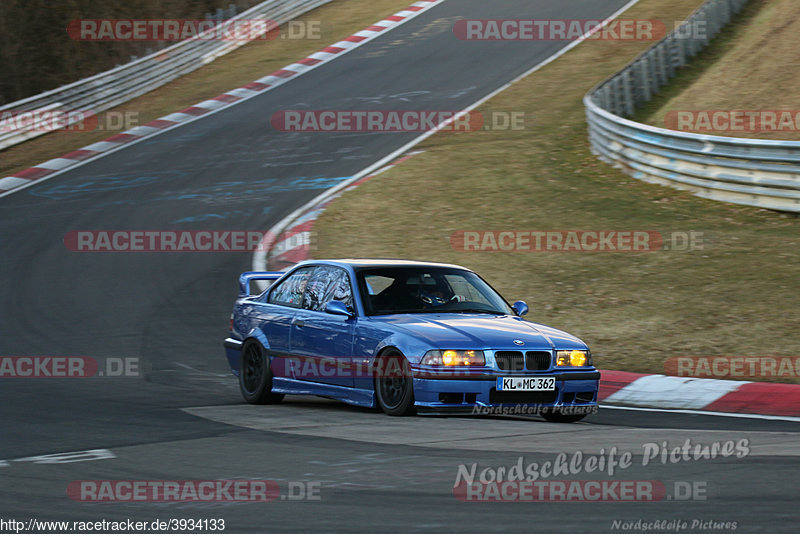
328,283
290,292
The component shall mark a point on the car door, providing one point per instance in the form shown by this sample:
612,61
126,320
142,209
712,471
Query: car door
324,341
277,314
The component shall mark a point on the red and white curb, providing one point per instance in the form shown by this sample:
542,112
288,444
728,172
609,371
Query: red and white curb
50,168
699,394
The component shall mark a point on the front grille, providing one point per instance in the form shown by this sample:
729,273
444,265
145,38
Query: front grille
522,397
536,360
509,360
513,360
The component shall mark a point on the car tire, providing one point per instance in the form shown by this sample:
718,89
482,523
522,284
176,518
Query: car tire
394,385
255,375
556,417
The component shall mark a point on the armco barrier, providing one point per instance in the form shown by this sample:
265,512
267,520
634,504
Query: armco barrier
754,172
121,84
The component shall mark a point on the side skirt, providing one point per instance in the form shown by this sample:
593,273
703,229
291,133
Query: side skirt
356,397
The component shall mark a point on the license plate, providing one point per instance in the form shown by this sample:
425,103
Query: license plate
526,383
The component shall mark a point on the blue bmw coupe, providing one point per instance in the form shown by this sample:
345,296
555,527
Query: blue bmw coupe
405,337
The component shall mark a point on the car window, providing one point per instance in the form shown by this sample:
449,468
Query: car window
387,290
328,283
290,292
377,283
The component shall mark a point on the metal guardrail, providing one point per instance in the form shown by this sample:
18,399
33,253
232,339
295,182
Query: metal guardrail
121,84
754,172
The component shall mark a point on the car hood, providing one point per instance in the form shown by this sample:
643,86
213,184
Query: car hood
480,331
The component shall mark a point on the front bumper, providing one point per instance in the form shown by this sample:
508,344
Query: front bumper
573,391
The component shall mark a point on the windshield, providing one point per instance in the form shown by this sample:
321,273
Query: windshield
388,290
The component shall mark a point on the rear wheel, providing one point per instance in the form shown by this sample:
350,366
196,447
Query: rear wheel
255,375
394,385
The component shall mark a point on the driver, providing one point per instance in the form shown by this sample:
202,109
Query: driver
436,296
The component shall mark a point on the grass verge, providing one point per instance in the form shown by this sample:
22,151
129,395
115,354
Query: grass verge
737,296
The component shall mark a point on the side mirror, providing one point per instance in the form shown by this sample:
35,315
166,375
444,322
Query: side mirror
520,307
337,307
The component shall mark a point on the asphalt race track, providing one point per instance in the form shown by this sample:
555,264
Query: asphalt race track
183,418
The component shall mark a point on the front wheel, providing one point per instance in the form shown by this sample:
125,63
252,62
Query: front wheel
255,375
394,385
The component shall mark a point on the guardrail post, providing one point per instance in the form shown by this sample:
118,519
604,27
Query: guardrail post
727,8
702,39
691,40
717,23
619,96
606,96
663,64
670,51
644,66
627,91
680,50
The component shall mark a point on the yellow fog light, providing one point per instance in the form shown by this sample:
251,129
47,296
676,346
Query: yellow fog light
572,358
450,357
577,358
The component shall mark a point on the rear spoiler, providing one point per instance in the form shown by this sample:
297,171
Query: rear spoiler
246,278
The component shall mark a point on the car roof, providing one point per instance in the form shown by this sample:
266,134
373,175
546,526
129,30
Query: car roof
380,262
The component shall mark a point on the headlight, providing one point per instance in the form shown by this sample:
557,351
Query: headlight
452,358
573,358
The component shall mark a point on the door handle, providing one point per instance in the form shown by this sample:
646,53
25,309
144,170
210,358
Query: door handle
299,323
